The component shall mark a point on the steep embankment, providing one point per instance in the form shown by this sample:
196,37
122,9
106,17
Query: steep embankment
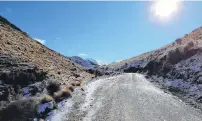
176,67
32,74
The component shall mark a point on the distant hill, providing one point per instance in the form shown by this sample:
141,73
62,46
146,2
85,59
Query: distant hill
84,63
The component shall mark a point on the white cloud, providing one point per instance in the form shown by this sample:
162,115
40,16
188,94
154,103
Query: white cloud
83,54
40,40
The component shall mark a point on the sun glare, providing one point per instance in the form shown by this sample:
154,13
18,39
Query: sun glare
164,9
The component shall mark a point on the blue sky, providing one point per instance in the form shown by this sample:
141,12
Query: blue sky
106,31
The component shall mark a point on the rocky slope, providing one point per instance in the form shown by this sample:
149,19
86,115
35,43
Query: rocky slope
31,74
176,67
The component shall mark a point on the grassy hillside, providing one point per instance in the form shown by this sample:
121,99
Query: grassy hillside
32,75
16,43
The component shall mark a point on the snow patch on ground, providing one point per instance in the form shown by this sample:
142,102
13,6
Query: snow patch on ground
185,79
187,90
43,107
26,91
60,114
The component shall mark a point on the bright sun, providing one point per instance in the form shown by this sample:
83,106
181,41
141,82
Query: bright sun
164,9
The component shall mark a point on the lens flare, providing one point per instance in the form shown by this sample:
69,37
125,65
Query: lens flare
165,8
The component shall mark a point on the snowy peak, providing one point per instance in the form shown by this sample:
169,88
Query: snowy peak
82,62
96,62
87,63
92,61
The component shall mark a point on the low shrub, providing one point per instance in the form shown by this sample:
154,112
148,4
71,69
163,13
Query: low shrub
21,110
178,41
76,83
62,94
44,109
176,55
174,89
71,88
53,87
46,98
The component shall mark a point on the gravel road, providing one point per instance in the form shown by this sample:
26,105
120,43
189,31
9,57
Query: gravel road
129,97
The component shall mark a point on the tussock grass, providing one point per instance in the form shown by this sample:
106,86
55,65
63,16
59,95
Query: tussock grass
46,98
53,87
76,83
63,94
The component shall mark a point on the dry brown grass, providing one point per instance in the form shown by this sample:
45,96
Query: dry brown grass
41,119
71,88
76,83
62,94
53,87
46,98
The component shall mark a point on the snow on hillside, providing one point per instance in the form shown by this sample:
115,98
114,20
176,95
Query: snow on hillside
101,63
92,61
82,62
185,80
87,63
176,67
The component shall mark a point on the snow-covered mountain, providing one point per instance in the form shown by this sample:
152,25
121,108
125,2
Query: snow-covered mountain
114,62
84,63
92,61
87,63
101,63
96,62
